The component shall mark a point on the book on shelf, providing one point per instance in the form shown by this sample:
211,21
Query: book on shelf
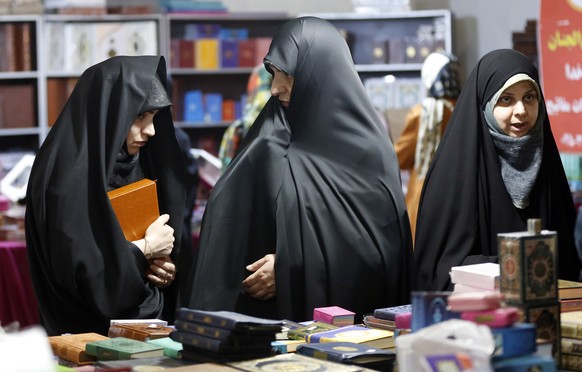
358,334
136,207
483,275
314,327
172,349
139,331
335,315
568,289
350,353
122,348
292,362
231,320
71,347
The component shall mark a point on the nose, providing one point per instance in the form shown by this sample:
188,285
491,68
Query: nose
149,130
519,108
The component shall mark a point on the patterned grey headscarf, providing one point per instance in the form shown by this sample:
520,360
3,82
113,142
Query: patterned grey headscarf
520,158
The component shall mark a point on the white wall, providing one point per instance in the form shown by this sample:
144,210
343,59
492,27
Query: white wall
479,26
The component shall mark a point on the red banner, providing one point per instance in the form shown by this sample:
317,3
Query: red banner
560,53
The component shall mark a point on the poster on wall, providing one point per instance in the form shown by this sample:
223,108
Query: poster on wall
560,49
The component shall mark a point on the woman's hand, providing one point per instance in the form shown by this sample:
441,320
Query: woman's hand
261,283
159,238
162,272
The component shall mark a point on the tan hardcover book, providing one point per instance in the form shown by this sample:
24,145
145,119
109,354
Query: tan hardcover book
136,207
139,331
72,347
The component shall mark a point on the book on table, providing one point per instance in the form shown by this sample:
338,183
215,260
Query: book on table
569,290
373,337
292,362
139,331
223,334
71,347
350,353
483,275
172,349
122,348
314,327
335,315
389,313
231,320
136,207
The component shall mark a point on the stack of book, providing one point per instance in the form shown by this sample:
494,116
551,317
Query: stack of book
571,340
528,281
385,317
477,277
569,295
223,336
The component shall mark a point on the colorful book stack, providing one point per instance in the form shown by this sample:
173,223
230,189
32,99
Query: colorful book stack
334,315
200,107
223,336
393,318
209,46
528,280
515,343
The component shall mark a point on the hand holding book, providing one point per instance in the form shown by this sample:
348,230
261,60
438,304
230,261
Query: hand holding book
159,238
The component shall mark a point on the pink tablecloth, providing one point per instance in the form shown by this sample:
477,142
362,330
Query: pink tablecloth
17,298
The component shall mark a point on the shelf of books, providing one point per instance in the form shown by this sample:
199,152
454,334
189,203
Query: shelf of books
210,58
19,86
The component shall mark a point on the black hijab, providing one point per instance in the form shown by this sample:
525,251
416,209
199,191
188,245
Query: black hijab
317,184
84,271
465,203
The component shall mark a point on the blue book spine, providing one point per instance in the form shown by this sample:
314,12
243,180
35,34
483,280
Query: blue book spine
193,106
213,112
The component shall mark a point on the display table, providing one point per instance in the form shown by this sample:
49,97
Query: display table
17,298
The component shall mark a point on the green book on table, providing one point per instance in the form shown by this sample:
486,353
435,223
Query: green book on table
123,348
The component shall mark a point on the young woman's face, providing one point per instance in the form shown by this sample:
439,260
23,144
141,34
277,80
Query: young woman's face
516,110
281,86
141,130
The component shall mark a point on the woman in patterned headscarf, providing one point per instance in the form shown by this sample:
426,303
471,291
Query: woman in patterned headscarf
425,123
496,166
310,212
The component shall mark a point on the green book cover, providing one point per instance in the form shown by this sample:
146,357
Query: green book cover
172,349
122,348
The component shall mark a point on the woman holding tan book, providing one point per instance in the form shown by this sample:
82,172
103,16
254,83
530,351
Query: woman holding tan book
115,129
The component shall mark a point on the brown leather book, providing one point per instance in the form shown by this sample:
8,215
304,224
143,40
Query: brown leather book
72,347
136,207
139,331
